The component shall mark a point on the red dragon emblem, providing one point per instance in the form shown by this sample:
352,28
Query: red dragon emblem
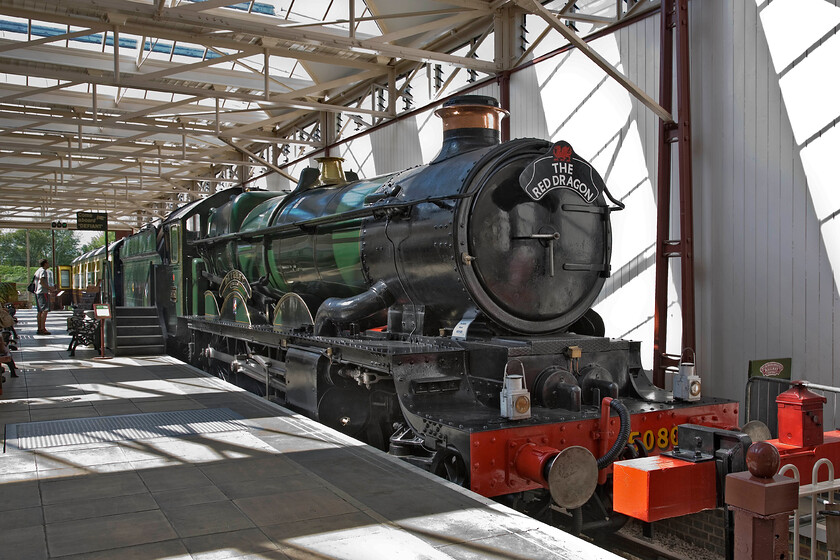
563,153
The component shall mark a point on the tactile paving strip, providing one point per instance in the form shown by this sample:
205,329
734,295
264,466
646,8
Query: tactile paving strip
126,427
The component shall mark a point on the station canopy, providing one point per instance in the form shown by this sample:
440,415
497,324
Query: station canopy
134,107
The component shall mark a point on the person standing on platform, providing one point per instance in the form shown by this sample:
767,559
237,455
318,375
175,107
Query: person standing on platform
42,293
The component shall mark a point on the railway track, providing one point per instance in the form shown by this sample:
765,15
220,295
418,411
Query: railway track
634,548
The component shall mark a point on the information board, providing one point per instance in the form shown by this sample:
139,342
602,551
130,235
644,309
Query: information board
92,221
102,311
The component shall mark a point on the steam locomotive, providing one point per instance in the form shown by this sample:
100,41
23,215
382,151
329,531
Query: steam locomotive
441,313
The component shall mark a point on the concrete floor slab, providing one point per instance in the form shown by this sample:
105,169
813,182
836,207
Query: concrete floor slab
207,518
280,487
189,496
50,379
62,413
250,469
86,509
91,487
59,458
155,405
108,408
18,495
169,550
14,417
28,543
294,506
19,518
104,533
66,472
173,478
17,463
231,544
235,488
11,405
287,531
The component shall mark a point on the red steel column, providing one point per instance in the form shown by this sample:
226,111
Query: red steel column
686,190
663,193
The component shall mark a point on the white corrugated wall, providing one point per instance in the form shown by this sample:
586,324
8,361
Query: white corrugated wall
568,98
764,280
765,284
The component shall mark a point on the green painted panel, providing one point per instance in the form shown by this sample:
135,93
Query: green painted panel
326,256
245,203
235,309
347,255
240,309
276,278
238,288
136,284
178,293
197,267
250,259
139,244
211,306
260,216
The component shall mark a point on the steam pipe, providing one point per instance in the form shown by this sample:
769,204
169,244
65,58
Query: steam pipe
549,466
623,434
335,310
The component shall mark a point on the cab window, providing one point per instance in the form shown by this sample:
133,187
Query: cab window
174,243
194,224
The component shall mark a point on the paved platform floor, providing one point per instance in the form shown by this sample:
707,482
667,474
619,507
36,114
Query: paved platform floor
275,485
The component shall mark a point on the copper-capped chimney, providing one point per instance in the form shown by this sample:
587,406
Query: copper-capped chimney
469,122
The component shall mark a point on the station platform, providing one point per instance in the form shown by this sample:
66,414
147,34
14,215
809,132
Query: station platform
150,458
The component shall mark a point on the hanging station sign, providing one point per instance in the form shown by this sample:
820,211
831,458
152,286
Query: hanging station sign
92,221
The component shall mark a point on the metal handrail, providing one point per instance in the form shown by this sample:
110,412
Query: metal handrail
812,491
796,516
786,383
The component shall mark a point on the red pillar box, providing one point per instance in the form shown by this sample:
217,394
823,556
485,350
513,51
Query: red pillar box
800,416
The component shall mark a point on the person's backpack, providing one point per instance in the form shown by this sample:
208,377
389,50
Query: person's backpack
31,286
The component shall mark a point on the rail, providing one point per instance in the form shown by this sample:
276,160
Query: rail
760,400
812,493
